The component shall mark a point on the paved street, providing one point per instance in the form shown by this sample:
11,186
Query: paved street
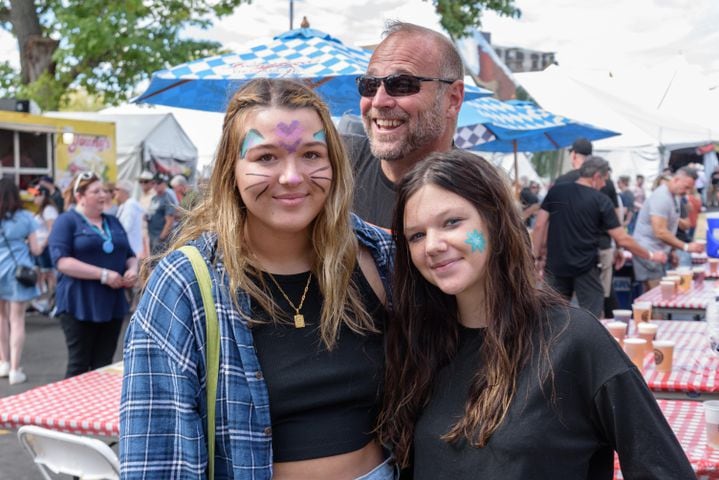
44,361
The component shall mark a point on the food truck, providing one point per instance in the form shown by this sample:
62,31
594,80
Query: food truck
32,146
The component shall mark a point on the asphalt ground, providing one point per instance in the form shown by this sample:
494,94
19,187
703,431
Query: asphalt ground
44,361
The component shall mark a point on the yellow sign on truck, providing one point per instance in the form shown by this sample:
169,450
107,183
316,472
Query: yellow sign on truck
32,146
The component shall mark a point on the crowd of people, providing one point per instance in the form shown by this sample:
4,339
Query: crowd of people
83,246
382,308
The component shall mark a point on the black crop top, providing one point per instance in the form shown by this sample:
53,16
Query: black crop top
321,403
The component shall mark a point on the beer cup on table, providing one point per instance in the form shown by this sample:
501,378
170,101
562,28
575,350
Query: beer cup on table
663,355
636,350
685,282
711,416
642,311
668,288
647,331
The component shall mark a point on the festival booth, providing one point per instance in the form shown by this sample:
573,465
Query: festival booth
146,142
32,146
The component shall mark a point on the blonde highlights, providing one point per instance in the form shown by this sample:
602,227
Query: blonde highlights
223,212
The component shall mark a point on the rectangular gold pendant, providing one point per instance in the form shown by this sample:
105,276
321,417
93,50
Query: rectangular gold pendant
299,321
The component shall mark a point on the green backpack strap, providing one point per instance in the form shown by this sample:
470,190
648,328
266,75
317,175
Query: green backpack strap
212,350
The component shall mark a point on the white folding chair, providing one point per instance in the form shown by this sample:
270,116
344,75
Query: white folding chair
64,453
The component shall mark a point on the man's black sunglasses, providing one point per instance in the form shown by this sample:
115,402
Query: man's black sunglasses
397,85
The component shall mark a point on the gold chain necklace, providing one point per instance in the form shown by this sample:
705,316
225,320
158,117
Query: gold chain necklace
299,318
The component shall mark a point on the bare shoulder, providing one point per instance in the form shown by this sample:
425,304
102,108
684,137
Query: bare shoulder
370,272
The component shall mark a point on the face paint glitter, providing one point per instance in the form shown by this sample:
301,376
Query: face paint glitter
476,240
252,138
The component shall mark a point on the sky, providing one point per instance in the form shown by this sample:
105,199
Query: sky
582,33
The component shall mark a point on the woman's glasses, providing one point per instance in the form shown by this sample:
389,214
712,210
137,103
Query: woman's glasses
81,178
396,85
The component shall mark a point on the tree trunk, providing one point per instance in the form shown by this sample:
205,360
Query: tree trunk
35,49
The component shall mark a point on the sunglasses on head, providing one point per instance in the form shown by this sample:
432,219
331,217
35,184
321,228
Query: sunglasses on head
81,178
396,85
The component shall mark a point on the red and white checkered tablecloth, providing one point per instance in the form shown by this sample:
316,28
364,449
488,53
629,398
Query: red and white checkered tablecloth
695,369
687,420
87,404
697,258
694,298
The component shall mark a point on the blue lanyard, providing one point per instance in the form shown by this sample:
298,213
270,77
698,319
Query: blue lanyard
107,245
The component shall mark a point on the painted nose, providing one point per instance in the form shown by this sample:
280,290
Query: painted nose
290,174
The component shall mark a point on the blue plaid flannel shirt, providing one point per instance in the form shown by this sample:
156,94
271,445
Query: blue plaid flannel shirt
163,408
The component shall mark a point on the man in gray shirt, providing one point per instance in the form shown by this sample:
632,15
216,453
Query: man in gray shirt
657,225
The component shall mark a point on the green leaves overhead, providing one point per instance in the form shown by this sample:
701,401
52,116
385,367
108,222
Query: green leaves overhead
460,17
108,47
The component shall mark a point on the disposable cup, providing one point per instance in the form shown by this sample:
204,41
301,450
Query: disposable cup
668,288
685,282
713,266
664,355
642,311
622,315
636,350
647,331
711,416
617,329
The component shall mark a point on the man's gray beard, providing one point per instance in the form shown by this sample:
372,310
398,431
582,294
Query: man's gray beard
430,126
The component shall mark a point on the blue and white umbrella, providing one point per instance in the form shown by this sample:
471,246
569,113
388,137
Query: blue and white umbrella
491,125
317,58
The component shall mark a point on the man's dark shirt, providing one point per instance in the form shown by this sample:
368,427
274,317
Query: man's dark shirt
374,194
577,215
605,241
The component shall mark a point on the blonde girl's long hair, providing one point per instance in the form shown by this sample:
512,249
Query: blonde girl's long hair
223,212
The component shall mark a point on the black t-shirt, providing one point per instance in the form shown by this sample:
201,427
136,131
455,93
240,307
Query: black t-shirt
322,403
375,194
577,216
600,404
605,241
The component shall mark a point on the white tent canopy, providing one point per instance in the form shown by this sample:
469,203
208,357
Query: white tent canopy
645,135
203,128
142,139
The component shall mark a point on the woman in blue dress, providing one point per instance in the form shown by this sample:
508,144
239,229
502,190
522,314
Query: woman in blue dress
18,232
95,264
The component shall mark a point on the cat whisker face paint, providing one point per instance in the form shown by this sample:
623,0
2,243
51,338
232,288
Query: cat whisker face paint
284,172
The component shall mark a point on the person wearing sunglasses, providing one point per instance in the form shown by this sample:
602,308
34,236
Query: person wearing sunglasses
411,96
95,263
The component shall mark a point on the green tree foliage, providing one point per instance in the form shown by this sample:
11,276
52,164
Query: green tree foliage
460,17
104,48
99,46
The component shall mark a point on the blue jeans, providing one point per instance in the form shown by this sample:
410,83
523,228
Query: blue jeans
383,471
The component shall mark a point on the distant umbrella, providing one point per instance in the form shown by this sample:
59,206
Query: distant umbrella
491,125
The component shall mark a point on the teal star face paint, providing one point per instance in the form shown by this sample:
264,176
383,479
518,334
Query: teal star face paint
476,240
252,138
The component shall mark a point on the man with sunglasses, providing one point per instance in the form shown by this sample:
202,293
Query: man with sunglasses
411,96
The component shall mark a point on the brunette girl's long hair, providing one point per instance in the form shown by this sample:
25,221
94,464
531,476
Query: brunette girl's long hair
423,335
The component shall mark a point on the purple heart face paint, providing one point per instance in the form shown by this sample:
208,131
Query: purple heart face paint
283,172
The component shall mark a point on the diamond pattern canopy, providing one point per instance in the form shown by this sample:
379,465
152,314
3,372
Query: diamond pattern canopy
491,125
320,60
